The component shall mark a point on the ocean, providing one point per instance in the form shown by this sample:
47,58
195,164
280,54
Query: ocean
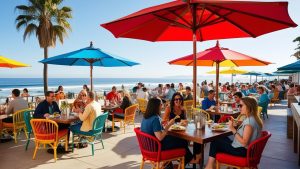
35,85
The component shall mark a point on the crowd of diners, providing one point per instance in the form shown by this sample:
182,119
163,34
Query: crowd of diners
165,102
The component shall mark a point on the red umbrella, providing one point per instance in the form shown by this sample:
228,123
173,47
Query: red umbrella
218,56
200,20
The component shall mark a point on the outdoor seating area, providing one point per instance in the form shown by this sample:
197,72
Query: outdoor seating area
165,84
125,151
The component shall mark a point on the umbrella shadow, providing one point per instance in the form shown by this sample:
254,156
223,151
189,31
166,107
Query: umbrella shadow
127,146
129,164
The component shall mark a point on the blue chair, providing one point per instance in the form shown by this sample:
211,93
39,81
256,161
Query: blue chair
94,134
27,118
264,106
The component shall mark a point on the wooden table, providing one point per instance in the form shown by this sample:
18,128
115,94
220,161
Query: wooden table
227,102
110,109
201,136
296,128
65,119
222,113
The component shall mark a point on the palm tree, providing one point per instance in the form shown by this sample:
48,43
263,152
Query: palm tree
47,21
297,54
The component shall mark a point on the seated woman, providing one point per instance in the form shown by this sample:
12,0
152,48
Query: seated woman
151,124
247,132
25,93
119,112
175,108
59,93
292,90
80,101
263,98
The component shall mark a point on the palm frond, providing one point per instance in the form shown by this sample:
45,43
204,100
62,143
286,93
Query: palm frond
20,24
297,39
30,29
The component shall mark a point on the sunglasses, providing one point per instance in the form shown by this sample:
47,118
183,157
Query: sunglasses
240,106
179,99
83,95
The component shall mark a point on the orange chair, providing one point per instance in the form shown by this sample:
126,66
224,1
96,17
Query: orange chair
46,132
142,105
151,151
128,118
252,159
275,98
18,124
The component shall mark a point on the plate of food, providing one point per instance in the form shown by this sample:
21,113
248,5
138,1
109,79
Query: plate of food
209,121
219,127
177,127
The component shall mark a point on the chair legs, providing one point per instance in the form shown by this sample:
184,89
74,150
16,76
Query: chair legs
142,164
28,140
37,144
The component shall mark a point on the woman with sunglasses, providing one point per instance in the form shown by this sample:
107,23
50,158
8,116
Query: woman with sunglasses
247,132
80,102
175,108
152,124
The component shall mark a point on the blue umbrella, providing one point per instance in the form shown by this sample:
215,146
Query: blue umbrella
292,66
253,73
89,56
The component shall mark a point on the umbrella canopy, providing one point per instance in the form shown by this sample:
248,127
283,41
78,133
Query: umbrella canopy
89,56
254,73
233,71
216,56
201,20
292,66
9,63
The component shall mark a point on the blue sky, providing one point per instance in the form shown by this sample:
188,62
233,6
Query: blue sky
153,56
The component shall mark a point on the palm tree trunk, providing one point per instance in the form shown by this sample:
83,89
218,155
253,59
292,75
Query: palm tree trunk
45,70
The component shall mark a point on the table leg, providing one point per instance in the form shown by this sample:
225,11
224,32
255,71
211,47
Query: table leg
295,136
198,148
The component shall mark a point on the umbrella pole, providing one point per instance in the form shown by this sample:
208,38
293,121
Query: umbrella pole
194,56
250,79
91,76
217,82
231,78
256,78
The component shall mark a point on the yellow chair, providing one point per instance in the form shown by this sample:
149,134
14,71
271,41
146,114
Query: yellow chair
198,110
188,106
206,114
275,98
129,117
17,125
259,110
142,105
46,132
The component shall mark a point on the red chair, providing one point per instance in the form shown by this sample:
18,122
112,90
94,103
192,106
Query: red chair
151,151
252,159
224,119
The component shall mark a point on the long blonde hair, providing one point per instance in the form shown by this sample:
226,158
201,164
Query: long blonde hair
251,105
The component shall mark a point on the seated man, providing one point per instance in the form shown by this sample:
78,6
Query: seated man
237,98
113,96
16,104
46,107
208,102
188,94
91,111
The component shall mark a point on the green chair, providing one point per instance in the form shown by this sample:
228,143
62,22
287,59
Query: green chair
264,111
94,134
27,118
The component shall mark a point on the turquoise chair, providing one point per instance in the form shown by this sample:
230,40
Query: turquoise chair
27,118
94,134
264,106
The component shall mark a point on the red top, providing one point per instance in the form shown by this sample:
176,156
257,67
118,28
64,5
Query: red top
113,96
